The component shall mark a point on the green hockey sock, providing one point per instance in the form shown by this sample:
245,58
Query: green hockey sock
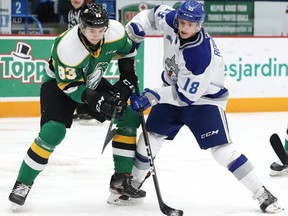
124,148
27,174
36,158
123,164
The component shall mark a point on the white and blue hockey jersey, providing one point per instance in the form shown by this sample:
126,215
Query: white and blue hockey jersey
193,72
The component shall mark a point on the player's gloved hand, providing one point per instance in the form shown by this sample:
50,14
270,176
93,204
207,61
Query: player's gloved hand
124,88
104,103
108,102
145,100
135,32
128,78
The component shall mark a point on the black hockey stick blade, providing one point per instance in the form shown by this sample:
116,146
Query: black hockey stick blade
278,148
167,210
111,132
170,211
108,138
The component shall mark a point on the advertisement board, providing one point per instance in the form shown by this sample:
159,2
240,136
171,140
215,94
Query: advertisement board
256,70
229,17
255,67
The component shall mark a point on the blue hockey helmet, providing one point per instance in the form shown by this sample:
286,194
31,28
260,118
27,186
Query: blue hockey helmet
192,11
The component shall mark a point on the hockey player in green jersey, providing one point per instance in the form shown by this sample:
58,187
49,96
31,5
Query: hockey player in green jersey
74,75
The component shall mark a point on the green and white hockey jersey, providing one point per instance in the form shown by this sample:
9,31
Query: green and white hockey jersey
75,66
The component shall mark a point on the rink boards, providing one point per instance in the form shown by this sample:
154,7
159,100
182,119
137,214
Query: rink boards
256,72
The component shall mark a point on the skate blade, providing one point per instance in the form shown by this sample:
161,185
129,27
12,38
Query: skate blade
279,173
274,208
122,200
14,207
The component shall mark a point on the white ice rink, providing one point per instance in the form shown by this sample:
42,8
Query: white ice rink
76,180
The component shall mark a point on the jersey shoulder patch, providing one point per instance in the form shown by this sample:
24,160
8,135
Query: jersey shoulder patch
115,32
70,50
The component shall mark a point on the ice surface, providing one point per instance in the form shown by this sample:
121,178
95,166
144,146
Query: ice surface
76,180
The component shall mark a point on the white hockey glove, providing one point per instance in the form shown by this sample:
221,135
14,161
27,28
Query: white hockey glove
135,32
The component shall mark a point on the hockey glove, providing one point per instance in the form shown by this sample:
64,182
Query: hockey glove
124,88
104,102
108,102
135,32
145,100
128,79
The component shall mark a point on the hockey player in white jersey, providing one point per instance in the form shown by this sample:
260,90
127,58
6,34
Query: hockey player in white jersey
193,94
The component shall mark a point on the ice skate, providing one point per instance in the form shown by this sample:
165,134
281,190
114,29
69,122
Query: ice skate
118,199
122,184
268,203
18,195
278,169
122,191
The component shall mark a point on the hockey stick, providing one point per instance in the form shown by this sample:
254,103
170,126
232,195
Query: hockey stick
111,132
163,207
278,148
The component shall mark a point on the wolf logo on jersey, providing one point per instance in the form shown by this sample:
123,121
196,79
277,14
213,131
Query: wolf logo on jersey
172,69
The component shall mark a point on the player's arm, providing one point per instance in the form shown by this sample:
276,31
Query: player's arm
126,58
146,21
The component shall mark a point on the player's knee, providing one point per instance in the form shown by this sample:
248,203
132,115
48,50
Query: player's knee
155,140
225,154
52,133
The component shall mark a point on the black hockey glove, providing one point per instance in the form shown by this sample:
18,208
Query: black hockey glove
124,88
128,79
108,102
104,103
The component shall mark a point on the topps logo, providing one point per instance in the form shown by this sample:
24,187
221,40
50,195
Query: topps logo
20,65
208,134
